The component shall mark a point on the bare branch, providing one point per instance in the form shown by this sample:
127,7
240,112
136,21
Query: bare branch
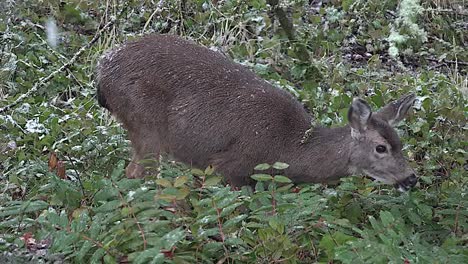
46,79
288,28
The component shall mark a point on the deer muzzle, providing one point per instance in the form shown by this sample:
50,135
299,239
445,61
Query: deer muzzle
407,183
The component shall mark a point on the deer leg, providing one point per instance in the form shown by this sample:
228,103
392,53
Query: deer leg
146,150
134,169
234,171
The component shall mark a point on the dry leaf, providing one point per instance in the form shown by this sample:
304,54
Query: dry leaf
61,170
52,161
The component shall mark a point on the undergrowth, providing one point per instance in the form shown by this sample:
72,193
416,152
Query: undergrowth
64,196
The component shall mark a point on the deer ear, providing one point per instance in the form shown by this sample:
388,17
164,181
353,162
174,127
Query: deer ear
358,116
397,110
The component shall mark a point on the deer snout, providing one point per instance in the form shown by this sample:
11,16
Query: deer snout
407,183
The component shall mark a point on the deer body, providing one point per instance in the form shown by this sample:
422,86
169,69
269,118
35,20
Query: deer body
174,96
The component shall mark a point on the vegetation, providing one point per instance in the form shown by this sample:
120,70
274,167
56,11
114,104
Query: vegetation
64,196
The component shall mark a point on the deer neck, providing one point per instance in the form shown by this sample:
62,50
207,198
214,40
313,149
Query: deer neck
322,157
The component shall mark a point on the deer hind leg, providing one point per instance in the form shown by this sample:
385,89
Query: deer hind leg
234,171
146,150
134,168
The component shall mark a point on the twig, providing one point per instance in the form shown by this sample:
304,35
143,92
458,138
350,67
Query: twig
463,63
77,176
158,10
44,80
457,215
449,11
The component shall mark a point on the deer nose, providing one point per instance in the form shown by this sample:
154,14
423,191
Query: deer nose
411,180
407,183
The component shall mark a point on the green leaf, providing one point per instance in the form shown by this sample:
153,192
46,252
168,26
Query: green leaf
170,194
173,237
286,206
213,247
327,244
212,181
85,248
207,219
276,225
109,259
353,212
95,228
198,172
182,193
128,184
164,183
387,218
341,238
281,179
263,166
24,207
414,217
107,193
235,220
330,242
80,223
209,232
229,209
346,4
14,179
107,207
56,219
152,255
234,241
64,241
376,225
262,177
280,165
117,172
209,170
179,181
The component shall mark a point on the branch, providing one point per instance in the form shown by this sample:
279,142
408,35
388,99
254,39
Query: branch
157,11
448,11
46,79
462,63
288,28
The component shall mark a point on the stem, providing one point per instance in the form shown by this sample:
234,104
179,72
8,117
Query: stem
273,200
220,227
134,217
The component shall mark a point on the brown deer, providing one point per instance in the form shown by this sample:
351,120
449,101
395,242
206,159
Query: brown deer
177,97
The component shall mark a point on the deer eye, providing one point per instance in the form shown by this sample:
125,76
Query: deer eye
381,149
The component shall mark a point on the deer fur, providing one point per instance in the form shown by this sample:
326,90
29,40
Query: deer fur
177,97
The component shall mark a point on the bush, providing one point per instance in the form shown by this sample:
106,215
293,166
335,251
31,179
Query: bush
64,196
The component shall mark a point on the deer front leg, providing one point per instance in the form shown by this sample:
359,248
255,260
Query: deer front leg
146,150
135,169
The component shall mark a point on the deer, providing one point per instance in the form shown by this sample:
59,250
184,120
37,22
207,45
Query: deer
179,98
